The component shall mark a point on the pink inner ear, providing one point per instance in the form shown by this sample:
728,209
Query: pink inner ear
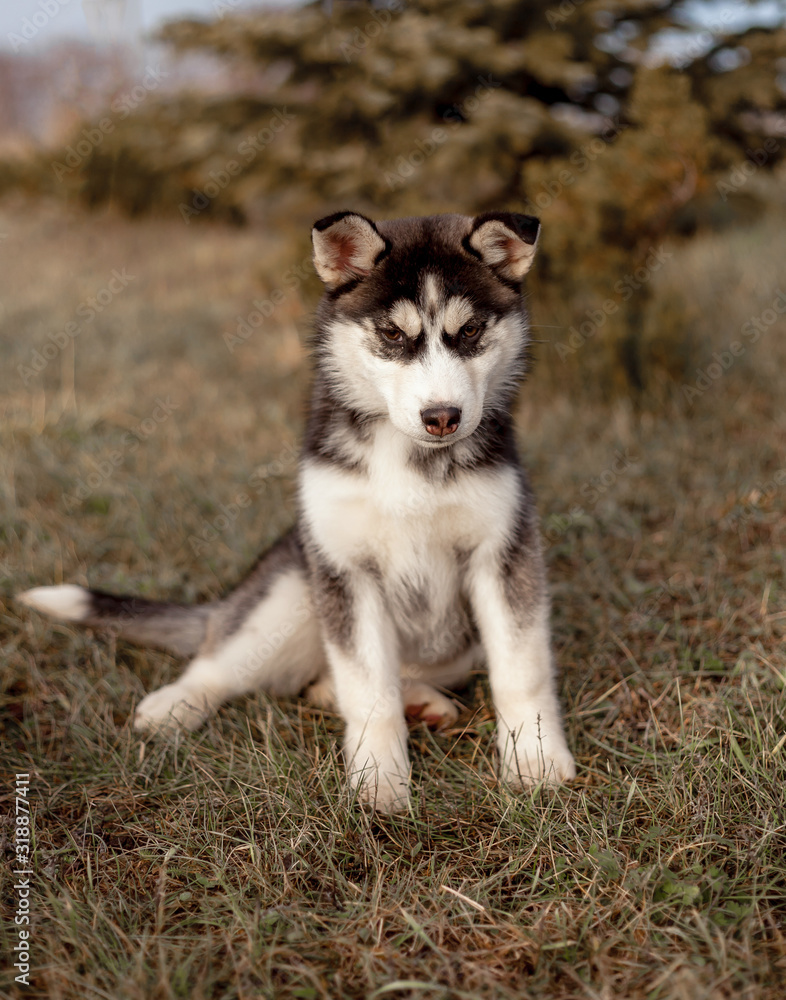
343,252
511,248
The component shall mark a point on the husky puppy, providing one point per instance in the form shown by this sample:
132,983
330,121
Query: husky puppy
416,549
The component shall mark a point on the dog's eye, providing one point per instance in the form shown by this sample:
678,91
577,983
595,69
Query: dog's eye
393,335
470,331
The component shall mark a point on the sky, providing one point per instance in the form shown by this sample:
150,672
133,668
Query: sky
30,25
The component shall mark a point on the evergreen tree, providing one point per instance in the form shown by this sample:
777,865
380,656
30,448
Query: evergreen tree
557,109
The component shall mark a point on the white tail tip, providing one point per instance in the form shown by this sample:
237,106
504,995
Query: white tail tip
68,601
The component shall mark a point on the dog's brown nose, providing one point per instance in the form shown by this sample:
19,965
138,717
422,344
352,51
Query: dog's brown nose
441,420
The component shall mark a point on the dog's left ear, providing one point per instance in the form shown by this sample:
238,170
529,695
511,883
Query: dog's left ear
506,241
347,246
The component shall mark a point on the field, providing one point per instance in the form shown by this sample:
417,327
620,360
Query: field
232,862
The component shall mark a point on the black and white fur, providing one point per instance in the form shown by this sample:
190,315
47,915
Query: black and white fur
416,550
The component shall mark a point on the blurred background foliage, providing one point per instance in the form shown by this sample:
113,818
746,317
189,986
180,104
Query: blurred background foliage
593,115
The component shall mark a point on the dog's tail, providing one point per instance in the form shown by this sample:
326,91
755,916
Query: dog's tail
176,627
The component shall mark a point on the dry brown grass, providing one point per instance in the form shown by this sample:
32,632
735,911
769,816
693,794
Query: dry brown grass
231,862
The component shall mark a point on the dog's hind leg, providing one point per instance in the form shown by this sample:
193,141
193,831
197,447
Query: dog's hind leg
276,648
261,635
422,702
422,699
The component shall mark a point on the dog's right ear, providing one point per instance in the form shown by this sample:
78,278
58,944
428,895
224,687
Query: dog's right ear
347,246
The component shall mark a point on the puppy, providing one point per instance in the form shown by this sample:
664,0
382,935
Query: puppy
416,551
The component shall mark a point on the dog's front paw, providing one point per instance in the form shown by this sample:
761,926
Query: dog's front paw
379,765
529,756
385,793
173,706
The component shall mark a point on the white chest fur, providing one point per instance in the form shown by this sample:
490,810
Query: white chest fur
393,515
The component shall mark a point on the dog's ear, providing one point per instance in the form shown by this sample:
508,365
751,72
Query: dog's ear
347,246
505,241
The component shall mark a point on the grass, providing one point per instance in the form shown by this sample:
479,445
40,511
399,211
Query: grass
232,862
